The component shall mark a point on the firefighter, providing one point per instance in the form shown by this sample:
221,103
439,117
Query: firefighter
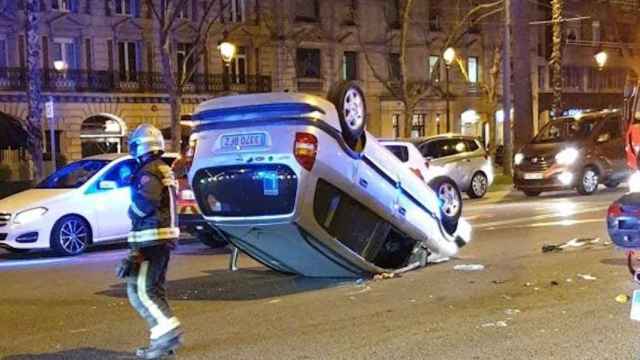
153,235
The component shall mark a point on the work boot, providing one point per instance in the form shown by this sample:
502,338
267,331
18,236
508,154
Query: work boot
163,347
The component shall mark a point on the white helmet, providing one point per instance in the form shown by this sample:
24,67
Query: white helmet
145,139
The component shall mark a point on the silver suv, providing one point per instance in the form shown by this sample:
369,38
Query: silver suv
464,159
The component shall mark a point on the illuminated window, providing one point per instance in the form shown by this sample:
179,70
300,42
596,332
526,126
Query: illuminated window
395,119
434,68
61,5
124,7
239,67
64,49
128,60
472,69
350,65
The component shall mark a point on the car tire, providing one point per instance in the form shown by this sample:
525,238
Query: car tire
451,208
531,193
211,238
479,186
71,235
588,181
350,103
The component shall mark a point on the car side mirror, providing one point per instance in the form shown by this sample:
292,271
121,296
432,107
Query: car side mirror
107,185
603,138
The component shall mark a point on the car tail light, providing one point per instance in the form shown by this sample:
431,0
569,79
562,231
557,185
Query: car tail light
615,210
418,173
305,149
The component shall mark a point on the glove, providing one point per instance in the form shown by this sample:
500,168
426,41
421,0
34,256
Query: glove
125,267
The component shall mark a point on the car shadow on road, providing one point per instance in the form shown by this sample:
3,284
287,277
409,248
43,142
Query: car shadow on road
75,354
242,285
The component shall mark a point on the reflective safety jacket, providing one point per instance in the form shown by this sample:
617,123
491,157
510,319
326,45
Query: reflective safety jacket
153,205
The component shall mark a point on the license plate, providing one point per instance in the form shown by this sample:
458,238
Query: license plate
270,183
534,176
243,141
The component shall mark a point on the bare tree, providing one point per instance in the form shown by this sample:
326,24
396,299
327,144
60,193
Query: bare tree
167,19
556,55
34,74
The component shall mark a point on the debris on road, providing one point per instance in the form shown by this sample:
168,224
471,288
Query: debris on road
528,284
274,301
569,280
623,298
384,276
469,267
554,283
512,311
588,277
573,244
499,282
500,323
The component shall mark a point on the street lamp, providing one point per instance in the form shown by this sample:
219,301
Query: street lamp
601,58
60,65
449,56
227,51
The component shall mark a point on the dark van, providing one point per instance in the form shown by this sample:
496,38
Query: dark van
579,152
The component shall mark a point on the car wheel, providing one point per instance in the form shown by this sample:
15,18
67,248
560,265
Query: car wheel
588,182
211,238
531,193
70,236
612,184
352,111
479,186
451,201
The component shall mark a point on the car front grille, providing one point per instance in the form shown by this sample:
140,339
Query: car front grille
4,219
536,163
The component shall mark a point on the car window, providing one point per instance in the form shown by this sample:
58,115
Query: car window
581,129
610,130
472,145
400,151
121,173
73,175
453,147
551,132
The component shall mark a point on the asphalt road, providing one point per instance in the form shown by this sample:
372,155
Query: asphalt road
524,305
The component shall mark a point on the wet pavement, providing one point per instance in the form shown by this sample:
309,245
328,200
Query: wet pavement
524,304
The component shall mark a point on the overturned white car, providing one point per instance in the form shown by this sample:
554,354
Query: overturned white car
304,189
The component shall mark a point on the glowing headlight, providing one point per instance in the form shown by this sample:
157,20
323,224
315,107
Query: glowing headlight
567,156
518,158
634,182
30,215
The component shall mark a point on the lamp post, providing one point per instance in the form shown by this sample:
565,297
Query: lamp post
227,51
601,59
449,56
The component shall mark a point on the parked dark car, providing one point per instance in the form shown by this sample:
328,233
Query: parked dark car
579,152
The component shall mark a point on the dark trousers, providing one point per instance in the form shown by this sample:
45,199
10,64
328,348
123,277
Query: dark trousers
147,293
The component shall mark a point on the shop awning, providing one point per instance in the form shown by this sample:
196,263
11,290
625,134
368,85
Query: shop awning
12,135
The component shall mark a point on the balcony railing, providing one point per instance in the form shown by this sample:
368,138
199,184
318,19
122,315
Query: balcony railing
81,81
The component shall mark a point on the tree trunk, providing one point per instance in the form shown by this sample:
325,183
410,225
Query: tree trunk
175,94
493,128
507,151
408,121
556,56
522,96
34,87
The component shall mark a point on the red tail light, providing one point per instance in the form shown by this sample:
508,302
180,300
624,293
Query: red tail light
305,149
615,210
418,173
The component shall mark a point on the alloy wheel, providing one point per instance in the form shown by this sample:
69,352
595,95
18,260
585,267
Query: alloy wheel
450,199
479,185
590,180
74,236
353,109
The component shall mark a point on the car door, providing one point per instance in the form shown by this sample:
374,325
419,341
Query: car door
610,145
113,204
473,159
448,154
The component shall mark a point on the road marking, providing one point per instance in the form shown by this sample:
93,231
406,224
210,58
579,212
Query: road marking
565,222
538,217
18,263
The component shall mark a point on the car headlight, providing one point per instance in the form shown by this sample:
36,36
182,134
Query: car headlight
30,215
634,182
567,156
518,158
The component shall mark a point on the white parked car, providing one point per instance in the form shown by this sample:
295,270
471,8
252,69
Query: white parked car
463,158
303,188
434,176
83,203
